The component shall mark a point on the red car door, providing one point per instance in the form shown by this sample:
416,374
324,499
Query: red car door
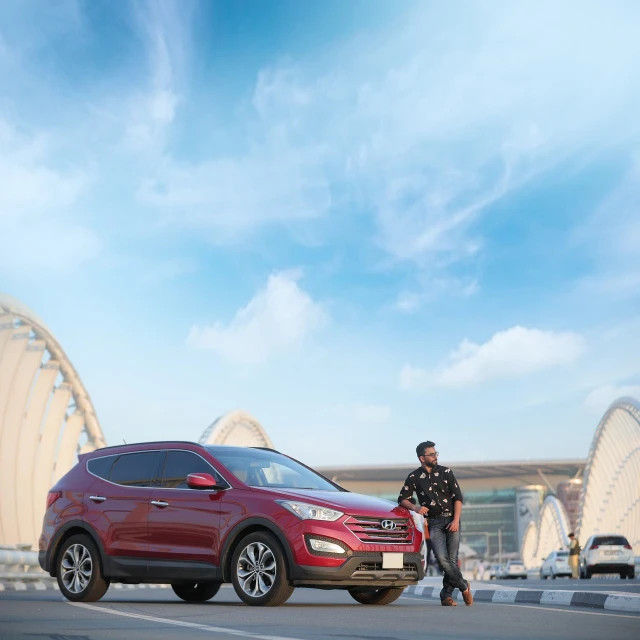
184,523
118,503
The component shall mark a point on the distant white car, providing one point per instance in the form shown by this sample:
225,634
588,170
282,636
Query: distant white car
555,565
494,570
607,553
512,570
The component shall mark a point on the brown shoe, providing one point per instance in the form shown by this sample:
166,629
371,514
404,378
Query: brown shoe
467,596
449,602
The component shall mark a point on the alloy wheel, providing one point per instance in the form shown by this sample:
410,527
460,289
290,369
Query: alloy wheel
77,568
256,569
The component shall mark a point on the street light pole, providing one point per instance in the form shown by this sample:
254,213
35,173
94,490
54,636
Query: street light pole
500,545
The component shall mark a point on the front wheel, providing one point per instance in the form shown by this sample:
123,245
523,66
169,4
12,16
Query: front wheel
386,595
259,571
196,591
78,570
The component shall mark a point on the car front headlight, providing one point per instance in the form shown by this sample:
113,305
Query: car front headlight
306,511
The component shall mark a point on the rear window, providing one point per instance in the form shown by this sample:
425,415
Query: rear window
134,469
610,540
562,554
101,467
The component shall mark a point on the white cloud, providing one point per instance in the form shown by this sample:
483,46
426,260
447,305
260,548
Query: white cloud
39,223
277,318
600,398
514,352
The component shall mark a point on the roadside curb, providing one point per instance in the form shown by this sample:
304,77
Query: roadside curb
609,601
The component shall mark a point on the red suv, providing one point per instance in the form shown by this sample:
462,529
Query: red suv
198,515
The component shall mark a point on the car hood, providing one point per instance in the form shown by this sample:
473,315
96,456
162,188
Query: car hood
354,504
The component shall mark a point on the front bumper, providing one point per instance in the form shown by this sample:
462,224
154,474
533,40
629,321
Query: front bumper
362,569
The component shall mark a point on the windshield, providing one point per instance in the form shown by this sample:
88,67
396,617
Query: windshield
261,468
562,554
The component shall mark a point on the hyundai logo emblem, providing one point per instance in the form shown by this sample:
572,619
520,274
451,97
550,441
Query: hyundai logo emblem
389,524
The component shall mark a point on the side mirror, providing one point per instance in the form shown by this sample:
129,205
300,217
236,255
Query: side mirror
203,481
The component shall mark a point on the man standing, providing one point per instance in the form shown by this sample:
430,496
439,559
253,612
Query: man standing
574,555
440,501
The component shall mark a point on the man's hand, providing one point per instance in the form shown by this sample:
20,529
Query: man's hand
454,525
421,510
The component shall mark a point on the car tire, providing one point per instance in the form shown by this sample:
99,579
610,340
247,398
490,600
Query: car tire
588,573
196,591
631,574
79,570
542,576
553,576
259,571
386,595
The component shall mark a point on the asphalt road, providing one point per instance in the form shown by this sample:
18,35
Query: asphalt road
156,614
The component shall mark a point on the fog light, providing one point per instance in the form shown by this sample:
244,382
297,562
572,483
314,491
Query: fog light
325,547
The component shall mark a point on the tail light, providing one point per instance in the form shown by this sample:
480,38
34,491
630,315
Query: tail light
628,546
52,496
593,546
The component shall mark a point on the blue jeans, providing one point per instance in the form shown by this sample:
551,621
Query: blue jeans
445,546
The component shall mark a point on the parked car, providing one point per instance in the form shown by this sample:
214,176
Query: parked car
197,516
493,571
607,553
513,569
555,565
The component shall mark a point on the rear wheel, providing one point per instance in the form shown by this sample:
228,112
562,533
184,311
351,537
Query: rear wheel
386,595
259,571
196,591
78,570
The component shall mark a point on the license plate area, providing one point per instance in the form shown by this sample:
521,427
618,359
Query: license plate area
611,553
392,560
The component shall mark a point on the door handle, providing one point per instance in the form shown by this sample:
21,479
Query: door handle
97,498
160,503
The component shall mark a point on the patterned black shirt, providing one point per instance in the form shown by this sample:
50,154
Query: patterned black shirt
437,490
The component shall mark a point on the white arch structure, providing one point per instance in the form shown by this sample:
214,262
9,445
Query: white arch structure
551,532
44,409
610,498
237,428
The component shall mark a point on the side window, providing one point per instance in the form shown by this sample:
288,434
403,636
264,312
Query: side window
179,464
134,469
101,467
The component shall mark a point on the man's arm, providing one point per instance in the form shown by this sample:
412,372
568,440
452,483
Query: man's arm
454,525
456,496
406,500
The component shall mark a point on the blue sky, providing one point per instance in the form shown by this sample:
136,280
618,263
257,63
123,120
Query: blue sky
368,225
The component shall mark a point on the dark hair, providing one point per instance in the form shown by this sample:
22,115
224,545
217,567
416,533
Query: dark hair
571,535
422,446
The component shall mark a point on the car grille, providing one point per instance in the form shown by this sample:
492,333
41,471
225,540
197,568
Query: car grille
377,566
371,530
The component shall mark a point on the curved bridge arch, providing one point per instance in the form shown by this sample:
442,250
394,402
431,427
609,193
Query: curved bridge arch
44,410
610,500
551,532
236,428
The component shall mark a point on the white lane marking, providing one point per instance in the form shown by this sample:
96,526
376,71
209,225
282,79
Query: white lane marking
19,586
179,623
570,610
40,586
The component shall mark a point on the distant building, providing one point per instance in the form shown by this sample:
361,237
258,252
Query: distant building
500,498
